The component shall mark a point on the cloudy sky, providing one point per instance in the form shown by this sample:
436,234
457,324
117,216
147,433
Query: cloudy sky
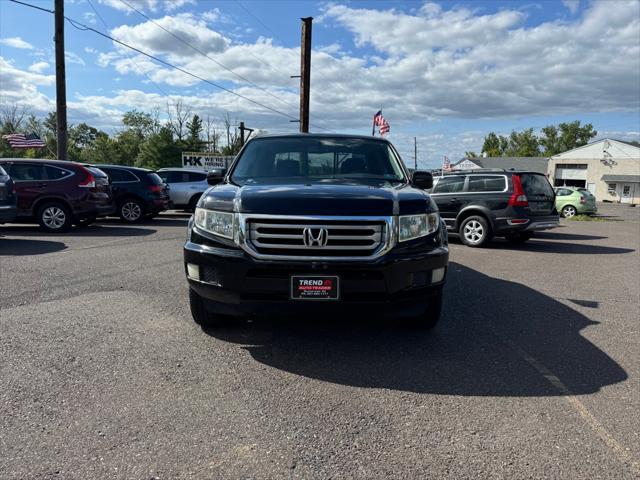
446,73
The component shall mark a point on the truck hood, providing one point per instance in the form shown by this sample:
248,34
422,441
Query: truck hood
345,199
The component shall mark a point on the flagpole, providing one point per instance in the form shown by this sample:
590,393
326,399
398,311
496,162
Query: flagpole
373,127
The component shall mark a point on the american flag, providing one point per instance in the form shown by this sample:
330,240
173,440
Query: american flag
446,164
20,140
379,121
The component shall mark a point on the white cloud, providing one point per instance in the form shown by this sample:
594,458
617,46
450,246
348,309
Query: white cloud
147,5
38,67
89,17
170,5
152,39
16,42
71,57
21,87
572,5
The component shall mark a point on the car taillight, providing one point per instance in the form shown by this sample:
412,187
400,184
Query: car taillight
155,188
89,181
518,199
583,199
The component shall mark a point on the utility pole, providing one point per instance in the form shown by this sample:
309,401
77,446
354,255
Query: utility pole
305,74
242,130
61,89
415,153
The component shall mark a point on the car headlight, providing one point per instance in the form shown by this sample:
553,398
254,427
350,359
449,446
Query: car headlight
415,226
217,223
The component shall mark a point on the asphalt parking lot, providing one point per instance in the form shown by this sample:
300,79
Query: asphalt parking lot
532,373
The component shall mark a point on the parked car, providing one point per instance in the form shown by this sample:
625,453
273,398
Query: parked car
57,193
139,193
585,191
8,198
317,224
186,186
571,201
483,203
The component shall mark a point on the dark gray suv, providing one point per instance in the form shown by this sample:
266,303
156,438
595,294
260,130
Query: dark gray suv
480,204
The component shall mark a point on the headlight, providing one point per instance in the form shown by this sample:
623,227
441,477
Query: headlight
217,223
415,226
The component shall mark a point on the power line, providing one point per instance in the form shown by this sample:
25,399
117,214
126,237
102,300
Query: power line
260,22
83,27
193,47
161,90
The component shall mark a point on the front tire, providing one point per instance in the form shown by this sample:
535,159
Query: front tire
475,231
429,319
201,315
569,211
54,217
131,211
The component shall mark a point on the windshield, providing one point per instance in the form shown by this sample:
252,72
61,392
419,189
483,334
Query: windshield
294,160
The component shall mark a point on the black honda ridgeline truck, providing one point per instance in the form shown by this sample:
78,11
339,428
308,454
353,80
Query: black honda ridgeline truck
316,224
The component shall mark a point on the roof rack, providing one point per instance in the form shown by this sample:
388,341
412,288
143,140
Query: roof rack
484,170
474,170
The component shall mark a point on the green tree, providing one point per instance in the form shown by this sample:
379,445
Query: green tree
81,137
471,154
142,123
138,126
194,128
566,136
102,150
523,144
159,150
495,145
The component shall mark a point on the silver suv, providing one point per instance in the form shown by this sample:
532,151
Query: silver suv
185,185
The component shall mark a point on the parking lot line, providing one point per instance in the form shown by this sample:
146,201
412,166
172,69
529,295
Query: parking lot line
620,451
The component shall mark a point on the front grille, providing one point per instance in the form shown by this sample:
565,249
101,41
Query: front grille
344,238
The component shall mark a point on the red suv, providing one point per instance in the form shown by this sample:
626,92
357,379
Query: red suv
57,193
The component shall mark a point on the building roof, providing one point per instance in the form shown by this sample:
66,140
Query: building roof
601,148
621,178
533,164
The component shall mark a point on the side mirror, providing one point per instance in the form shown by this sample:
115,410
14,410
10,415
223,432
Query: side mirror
214,177
422,180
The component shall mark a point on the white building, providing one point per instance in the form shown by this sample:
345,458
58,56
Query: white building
610,169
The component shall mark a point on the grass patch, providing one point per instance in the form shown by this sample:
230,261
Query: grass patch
589,218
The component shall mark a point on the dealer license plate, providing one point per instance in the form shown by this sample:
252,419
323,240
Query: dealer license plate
315,287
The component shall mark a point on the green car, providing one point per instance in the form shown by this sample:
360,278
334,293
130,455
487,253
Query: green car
571,201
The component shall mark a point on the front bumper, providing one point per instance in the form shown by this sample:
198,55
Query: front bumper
234,283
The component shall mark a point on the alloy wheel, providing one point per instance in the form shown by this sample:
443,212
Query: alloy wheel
568,212
131,211
54,217
473,231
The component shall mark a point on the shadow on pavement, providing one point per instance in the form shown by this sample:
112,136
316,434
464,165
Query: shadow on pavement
553,235
542,246
157,221
94,230
11,247
488,328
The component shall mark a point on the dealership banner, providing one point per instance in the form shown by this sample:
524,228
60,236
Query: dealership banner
205,160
